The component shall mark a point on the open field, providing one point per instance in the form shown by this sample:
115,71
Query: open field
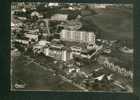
36,78
114,22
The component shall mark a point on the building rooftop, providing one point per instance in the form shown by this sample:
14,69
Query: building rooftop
60,17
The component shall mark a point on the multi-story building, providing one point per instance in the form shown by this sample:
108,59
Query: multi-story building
99,5
57,52
78,36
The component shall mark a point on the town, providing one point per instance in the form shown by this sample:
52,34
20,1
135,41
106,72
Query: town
60,47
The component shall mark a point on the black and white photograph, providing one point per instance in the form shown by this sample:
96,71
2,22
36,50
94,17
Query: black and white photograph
72,47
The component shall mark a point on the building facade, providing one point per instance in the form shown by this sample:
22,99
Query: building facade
57,52
77,36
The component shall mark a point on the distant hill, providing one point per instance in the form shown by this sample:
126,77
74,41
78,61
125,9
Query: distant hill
115,23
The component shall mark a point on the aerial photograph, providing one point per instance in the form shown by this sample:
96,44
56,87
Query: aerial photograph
71,47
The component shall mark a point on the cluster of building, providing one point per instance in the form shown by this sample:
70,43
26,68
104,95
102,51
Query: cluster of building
62,51
72,42
118,69
53,47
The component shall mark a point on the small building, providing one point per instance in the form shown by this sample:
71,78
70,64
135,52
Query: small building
41,44
71,25
59,17
26,42
53,4
32,37
35,13
100,5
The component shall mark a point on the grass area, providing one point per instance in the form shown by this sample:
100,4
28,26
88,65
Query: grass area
115,23
36,78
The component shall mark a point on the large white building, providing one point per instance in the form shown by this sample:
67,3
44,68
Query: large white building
100,5
78,36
